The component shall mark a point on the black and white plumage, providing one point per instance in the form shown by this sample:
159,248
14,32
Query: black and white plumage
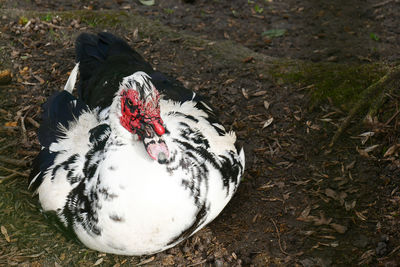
137,163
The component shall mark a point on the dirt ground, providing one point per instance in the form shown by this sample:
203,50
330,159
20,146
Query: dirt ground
301,202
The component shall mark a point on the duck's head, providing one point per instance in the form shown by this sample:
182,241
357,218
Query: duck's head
139,114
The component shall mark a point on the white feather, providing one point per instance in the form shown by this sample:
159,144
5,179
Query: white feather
70,85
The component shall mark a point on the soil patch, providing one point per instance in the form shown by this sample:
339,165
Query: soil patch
300,202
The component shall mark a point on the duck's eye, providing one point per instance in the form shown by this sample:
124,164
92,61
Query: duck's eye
129,102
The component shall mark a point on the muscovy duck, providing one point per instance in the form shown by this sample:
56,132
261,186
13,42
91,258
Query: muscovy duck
137,162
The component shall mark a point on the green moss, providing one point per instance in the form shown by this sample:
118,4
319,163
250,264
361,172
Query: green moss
169,11
23,20
48,17
339,83
96,19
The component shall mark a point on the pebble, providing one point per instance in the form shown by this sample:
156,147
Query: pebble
361,242
381,249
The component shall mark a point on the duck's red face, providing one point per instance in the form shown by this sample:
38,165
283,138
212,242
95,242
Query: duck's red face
142,117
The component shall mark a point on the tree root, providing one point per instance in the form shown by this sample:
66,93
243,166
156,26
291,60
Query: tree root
374,97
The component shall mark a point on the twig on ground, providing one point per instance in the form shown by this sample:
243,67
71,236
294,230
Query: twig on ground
279,238
146,261
8,145
8,177
14,171
54,26
16,162
24,136
27,153
382,3
198,263
33,122
391,118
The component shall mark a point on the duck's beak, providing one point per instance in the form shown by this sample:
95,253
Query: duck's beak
154,143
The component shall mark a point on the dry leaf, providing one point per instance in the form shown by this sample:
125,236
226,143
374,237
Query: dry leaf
365,136
126,7
286,196
370,148
168,260
304,214
366,257
342,197
5,76
335,244
226,35
147,2
315,127
11,124
328,237
259,93
267,122
301,182
5,233
391,150
229,81
349,205
245,94
136,33
267,186
196,48
62,256
98,262
40,80
362,152
322,220
341,229
24,71
143,262
361,216
351,165
266,105
330,193
308,233
248,59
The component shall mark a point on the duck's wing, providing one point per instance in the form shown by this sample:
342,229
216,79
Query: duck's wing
59,111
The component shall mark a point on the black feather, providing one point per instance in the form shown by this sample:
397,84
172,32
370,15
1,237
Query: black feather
106,59
60,109
42,162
